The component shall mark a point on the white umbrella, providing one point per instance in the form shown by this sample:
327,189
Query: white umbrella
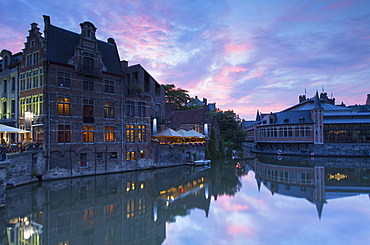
8,129
184,133
194,133
169,132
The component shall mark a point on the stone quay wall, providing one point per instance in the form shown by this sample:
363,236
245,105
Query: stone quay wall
31,166
326,149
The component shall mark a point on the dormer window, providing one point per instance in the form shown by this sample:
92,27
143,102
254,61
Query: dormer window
301,119
88,30
286,120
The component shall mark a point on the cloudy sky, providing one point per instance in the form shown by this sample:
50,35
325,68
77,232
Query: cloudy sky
242,54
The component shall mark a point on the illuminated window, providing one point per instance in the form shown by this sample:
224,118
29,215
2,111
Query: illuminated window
64,106
88,217
141,133
130,155
88,133
142,154
64,133
141,206
130,133
130,208
109,133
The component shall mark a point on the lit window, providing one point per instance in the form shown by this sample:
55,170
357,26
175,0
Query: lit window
88,133
64,106
130,133
109,133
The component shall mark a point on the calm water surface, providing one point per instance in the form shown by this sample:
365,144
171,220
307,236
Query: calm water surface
267,200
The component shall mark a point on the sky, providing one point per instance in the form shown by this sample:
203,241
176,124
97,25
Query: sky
243,55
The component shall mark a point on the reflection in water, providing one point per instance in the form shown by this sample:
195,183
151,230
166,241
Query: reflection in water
134,207
315,179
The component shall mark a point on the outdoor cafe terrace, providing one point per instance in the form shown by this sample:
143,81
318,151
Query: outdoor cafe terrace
180,137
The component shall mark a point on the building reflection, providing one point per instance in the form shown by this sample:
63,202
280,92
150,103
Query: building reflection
127,208
316,179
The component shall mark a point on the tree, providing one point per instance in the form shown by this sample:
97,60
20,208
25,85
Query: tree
231,129
178,97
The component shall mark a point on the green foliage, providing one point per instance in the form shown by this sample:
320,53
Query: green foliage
211,151
231,130
176,96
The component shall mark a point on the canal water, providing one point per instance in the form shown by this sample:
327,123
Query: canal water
265,200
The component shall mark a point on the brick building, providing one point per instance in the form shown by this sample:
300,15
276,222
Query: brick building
90,112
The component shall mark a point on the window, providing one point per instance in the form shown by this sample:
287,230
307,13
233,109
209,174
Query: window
303,131
83,160
88,111
157,88
88,65
64,79
142,154
130,133
157,110
12,89
113,155
146,82
64,106
88,217
130,208
141,109
35,56
130,155
108,109
141,133
286,132
64,133
63,223
88,84
109,86
88,133
110,210
130,108
109,133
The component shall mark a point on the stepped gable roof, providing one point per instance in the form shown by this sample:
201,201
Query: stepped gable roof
61,47
195,116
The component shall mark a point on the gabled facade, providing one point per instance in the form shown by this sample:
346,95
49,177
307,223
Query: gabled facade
71,88
9,79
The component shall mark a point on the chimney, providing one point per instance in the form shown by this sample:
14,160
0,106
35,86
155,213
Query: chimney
46,22
111,40
368,99
204,101
124,64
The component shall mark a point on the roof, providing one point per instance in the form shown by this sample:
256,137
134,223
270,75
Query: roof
61,47
310,104
195,116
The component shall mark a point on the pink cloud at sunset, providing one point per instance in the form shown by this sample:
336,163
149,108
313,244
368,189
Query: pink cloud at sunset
242,55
